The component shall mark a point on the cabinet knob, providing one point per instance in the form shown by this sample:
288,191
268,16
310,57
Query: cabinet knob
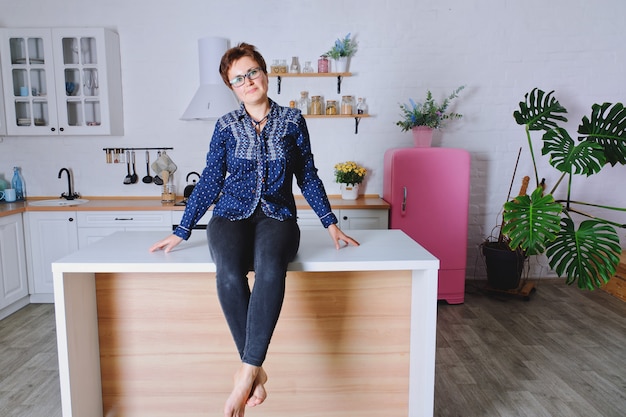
61,129
345,217
71,219
52,129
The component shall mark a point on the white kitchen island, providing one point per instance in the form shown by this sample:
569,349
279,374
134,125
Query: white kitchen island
141,334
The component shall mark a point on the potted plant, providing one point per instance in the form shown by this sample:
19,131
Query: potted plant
422,118
580,247
349,175
342,49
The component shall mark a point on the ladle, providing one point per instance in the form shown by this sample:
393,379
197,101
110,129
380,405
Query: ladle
148,178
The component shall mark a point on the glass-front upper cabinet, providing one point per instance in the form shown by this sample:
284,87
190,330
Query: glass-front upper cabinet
62,81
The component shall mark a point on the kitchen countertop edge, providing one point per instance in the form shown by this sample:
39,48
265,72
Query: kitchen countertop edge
155,204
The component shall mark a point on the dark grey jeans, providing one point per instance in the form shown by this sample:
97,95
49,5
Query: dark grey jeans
267,245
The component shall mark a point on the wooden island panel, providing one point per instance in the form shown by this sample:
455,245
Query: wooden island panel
341,347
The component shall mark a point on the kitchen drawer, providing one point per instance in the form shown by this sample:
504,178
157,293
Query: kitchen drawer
129,220
204,220
363,219
308,220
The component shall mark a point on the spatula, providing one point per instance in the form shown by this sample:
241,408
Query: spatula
128,178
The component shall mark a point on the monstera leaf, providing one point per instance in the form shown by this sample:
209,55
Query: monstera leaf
540,111
607,127
531,222
585,158
589,255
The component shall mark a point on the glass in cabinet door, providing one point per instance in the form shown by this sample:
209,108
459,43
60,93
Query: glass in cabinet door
28,77
80,59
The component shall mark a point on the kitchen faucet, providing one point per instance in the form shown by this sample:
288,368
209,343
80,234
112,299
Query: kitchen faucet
70,195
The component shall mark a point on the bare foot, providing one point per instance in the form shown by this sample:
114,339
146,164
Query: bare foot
243,390
258,393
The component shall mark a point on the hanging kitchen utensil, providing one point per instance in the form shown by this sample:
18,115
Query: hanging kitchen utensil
128,178
157,179
148,178
189,188
134,177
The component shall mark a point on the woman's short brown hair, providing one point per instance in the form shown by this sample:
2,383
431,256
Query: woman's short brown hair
238,52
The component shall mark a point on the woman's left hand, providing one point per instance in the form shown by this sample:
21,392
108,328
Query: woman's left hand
337,235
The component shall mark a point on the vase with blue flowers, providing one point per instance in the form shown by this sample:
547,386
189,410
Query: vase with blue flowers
342,50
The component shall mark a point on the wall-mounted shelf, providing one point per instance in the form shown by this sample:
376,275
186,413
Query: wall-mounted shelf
279,76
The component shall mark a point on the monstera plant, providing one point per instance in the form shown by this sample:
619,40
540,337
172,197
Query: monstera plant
580,247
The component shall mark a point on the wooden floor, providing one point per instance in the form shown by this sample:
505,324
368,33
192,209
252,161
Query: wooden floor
562,353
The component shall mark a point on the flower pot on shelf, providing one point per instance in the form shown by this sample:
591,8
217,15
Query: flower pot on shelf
422,136
349,191
342,64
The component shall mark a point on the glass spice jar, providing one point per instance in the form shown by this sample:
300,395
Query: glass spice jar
308,68
316,105
361,106
347,105
322,64
275,68
304,104
331,107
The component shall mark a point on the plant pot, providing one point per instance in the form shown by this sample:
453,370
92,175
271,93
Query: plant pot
422,136
342,64
504,266
349,191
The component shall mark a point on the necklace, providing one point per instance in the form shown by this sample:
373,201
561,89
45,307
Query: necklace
257,124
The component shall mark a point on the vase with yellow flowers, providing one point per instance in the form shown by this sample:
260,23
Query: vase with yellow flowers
349,175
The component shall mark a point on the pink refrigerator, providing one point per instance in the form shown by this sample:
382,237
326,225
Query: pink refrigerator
428,190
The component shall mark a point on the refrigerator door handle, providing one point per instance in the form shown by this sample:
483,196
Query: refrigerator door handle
403,200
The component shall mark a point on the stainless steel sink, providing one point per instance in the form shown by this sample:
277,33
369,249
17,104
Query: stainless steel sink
58,202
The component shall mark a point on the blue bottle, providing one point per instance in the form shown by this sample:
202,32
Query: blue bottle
18,184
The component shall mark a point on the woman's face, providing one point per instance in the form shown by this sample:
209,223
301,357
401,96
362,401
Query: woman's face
251,91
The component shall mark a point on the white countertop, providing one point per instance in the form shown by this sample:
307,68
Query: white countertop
128,252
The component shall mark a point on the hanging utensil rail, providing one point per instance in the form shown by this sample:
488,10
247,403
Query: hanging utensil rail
111,153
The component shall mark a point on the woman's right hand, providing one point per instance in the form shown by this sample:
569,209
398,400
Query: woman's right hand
166,244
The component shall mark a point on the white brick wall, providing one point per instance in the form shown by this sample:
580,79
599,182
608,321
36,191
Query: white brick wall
499,49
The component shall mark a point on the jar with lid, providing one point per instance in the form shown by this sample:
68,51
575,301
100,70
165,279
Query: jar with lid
322,64
304,104
361,106
316,105
331,107
307,68
283,66
275,67
347,105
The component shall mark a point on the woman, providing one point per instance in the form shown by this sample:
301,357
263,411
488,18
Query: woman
254,154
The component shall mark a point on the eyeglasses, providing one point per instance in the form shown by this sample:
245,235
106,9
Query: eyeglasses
253,74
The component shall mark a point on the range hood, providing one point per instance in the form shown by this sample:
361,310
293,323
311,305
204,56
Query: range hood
213,99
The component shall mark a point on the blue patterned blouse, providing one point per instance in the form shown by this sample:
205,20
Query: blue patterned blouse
245,169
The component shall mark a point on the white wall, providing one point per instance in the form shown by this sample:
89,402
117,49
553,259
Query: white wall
499,49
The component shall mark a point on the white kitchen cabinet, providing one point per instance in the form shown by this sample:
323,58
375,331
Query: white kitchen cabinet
363,219
13,278
349,219
61,81
3,124
308,220
94,225
50,235
201,224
